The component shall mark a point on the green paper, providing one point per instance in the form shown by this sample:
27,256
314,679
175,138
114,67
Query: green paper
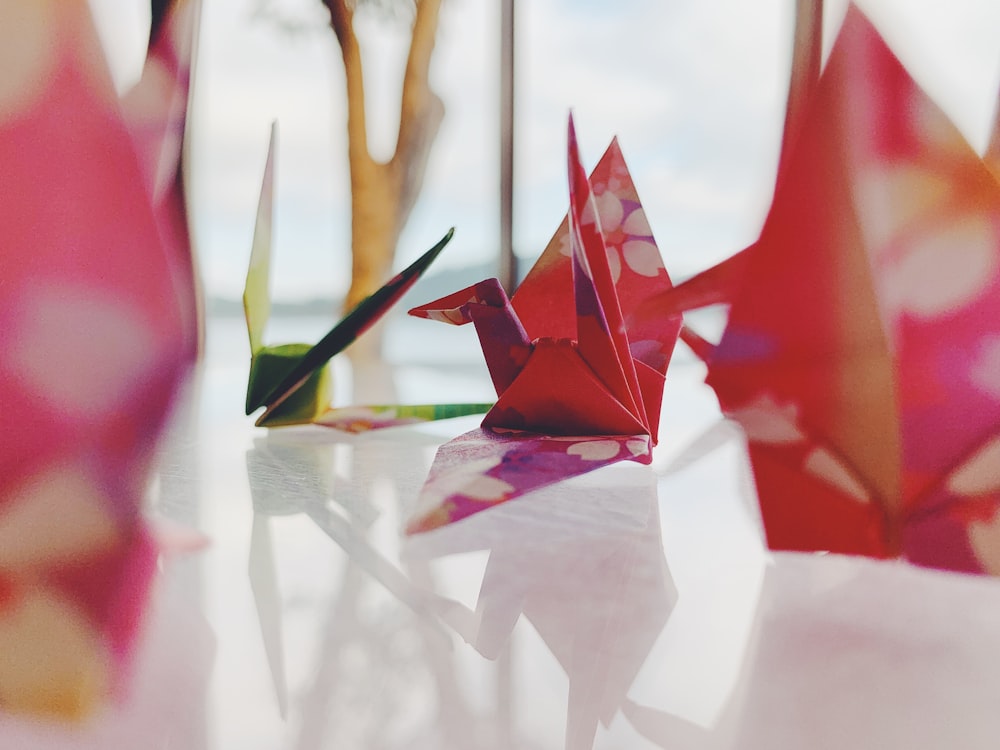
271,364
294,381
365,418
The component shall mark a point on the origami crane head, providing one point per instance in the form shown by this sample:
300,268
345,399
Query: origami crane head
293,380
566,354
860,355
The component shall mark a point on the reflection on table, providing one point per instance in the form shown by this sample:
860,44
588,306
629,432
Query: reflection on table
633,607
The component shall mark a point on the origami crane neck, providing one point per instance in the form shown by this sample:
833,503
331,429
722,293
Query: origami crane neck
505,342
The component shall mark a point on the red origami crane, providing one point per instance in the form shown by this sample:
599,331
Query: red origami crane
570,360
862,351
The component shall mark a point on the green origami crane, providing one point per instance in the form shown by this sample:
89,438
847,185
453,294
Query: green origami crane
293,381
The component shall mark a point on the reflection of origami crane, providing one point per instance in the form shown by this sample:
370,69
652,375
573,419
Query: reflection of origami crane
297,477
292,380
860,355
568,356
587,569
564,354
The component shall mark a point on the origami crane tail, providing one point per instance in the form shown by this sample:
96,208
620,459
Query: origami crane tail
504,340
716,285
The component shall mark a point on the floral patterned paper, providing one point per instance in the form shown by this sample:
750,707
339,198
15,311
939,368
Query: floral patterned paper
485,467
93,342
861,353
569,354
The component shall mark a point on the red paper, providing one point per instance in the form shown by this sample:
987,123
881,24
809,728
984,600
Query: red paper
861,353
569,355
92,345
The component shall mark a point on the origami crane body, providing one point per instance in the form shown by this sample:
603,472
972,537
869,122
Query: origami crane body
567,355
92,345
861,351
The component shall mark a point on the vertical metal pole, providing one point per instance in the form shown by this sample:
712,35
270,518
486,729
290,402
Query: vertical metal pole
508,261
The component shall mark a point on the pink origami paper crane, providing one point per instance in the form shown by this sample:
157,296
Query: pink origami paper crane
92,345
862,348
579,377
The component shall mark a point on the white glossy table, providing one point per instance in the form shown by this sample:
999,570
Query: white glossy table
631,608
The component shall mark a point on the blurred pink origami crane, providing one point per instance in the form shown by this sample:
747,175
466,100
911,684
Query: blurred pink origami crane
862,352
93,342
579,378
155,110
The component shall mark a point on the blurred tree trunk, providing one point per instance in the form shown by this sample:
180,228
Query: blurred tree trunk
383,193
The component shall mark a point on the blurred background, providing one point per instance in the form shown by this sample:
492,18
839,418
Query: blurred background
694,90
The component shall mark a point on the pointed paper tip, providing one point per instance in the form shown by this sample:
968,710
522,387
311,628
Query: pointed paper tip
574,150
701,348
428,257
256,287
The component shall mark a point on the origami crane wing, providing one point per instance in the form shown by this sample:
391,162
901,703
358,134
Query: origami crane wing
856,352
567,355
292,381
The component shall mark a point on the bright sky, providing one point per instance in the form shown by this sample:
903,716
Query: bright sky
694,89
